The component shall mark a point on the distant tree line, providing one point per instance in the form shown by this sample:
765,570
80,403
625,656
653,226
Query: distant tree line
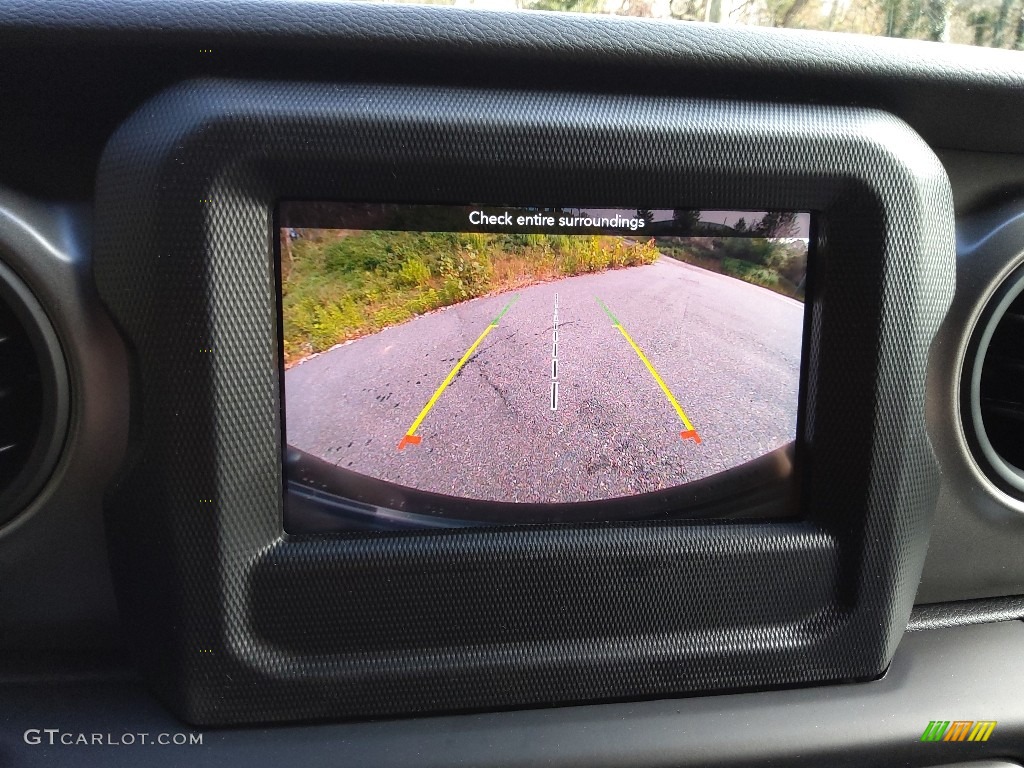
764,252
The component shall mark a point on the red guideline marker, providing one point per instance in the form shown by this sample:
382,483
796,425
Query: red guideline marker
690,434
409,440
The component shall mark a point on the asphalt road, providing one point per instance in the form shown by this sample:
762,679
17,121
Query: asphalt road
728,351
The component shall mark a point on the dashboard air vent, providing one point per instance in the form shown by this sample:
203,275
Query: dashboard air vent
997,388
33,396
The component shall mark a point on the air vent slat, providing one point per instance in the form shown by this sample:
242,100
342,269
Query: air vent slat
1004,371
1004,411
33,405
1012,320
998,400
21,404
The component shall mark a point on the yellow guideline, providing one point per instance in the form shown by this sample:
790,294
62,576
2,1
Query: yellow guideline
410,436
689,433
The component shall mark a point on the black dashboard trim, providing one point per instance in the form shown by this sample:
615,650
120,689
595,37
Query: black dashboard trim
74,70
297,627
962,613
973,673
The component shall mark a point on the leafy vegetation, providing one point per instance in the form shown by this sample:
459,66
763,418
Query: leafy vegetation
772,259
339,285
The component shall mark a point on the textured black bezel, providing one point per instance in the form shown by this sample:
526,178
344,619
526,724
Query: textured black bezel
236,622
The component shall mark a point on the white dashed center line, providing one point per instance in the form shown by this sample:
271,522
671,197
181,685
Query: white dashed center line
554,359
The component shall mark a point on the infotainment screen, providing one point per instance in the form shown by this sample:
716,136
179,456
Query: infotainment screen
451,365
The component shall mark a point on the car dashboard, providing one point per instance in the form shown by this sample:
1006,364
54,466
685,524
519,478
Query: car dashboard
204,555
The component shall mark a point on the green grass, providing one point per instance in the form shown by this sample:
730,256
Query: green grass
340,285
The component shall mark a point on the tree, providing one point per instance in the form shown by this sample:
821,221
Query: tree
995,23
693,10
685,220
570,6
637,8
776,224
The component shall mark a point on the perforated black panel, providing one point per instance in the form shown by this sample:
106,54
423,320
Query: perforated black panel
234,622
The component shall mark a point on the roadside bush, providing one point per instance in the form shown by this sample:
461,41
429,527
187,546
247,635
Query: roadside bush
751,273
341,284
643,253
558,244
466,274
596,257
569,262
356,253
324,324
387,316
413,274
425,302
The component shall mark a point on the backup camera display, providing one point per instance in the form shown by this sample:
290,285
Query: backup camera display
451,365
